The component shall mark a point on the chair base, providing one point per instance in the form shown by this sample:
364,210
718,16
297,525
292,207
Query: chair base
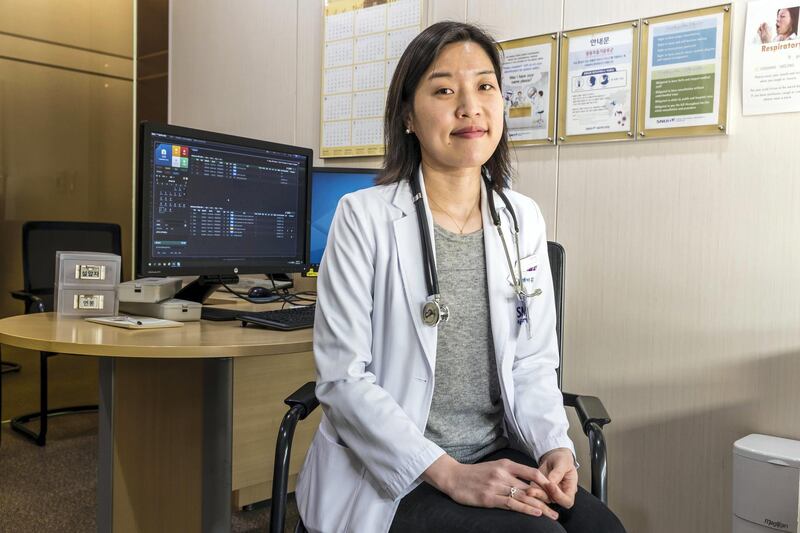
18,423
7,367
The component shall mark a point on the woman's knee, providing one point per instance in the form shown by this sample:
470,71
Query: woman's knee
590,515
539,524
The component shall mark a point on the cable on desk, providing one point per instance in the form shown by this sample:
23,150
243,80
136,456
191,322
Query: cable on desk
284,296
292,299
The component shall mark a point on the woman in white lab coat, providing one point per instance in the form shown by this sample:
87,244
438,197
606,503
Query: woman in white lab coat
432,424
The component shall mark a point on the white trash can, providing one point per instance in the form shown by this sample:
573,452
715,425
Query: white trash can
766,484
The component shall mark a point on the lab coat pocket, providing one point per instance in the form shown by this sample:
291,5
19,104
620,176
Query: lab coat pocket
327,486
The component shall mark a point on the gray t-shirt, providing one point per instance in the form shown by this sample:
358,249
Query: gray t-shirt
466,417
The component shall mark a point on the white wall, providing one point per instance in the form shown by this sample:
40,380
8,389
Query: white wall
683,265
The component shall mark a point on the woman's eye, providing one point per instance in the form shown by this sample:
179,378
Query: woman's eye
487,86
444,90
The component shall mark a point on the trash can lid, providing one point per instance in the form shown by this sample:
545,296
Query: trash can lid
769,448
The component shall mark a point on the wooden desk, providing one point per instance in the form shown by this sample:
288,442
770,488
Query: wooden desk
188,416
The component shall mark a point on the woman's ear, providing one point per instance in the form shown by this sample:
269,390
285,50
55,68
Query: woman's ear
409,124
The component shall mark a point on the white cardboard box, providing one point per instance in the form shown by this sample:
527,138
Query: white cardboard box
148,290
172,309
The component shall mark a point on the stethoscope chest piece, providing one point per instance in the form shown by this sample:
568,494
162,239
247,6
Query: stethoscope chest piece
434,313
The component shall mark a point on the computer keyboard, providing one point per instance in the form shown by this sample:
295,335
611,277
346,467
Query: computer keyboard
283,319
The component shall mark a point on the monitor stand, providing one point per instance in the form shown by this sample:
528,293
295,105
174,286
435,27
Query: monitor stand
204,286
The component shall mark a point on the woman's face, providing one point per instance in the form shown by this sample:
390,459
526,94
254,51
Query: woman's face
458,109
783,23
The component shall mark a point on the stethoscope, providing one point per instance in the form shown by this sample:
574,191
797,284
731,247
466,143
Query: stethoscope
434,311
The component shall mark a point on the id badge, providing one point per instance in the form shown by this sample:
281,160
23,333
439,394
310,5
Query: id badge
522,313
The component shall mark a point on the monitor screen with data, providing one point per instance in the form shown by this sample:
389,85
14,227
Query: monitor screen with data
214,204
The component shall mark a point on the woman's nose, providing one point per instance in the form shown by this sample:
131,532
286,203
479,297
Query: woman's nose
468,105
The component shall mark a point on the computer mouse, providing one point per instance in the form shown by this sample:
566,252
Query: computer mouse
259,292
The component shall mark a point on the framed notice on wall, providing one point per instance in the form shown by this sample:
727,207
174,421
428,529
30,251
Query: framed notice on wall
770,70
529,89
684,73
597,83
363,40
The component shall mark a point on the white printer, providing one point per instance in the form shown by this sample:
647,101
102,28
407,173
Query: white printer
153,297
766,484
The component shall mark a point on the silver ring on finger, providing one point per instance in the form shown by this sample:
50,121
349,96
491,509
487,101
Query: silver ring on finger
512,492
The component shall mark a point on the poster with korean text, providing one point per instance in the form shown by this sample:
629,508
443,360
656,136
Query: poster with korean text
597,83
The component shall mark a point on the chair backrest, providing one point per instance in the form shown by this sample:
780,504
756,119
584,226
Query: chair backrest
557,257
41,240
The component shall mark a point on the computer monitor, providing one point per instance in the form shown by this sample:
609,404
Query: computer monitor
328,185
217,205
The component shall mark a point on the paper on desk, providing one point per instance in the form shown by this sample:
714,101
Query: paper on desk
134,322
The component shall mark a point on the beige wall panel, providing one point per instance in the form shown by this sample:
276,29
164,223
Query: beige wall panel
585,13
511,19
100,25
242,80
32,51
682,309
63,154
309,75
152,18
536,168
112,26
152,65
446,10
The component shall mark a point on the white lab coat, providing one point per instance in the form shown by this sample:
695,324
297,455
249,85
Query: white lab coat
375,358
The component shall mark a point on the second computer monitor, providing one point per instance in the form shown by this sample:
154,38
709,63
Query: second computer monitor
328,185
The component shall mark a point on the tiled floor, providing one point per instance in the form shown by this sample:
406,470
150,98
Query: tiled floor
52,489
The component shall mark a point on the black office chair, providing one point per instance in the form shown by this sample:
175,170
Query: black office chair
591,413
40,242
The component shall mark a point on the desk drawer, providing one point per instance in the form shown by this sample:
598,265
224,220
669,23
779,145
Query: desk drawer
260,384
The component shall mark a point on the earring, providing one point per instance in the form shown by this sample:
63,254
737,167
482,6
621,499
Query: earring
408,131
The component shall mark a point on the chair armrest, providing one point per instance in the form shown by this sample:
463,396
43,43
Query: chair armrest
301,402
33,304
305,398
22,295
589,408
593,416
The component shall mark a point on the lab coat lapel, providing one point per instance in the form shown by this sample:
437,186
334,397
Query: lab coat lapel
501,295
409,253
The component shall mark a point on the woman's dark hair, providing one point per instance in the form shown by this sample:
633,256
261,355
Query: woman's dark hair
793,14
403,153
